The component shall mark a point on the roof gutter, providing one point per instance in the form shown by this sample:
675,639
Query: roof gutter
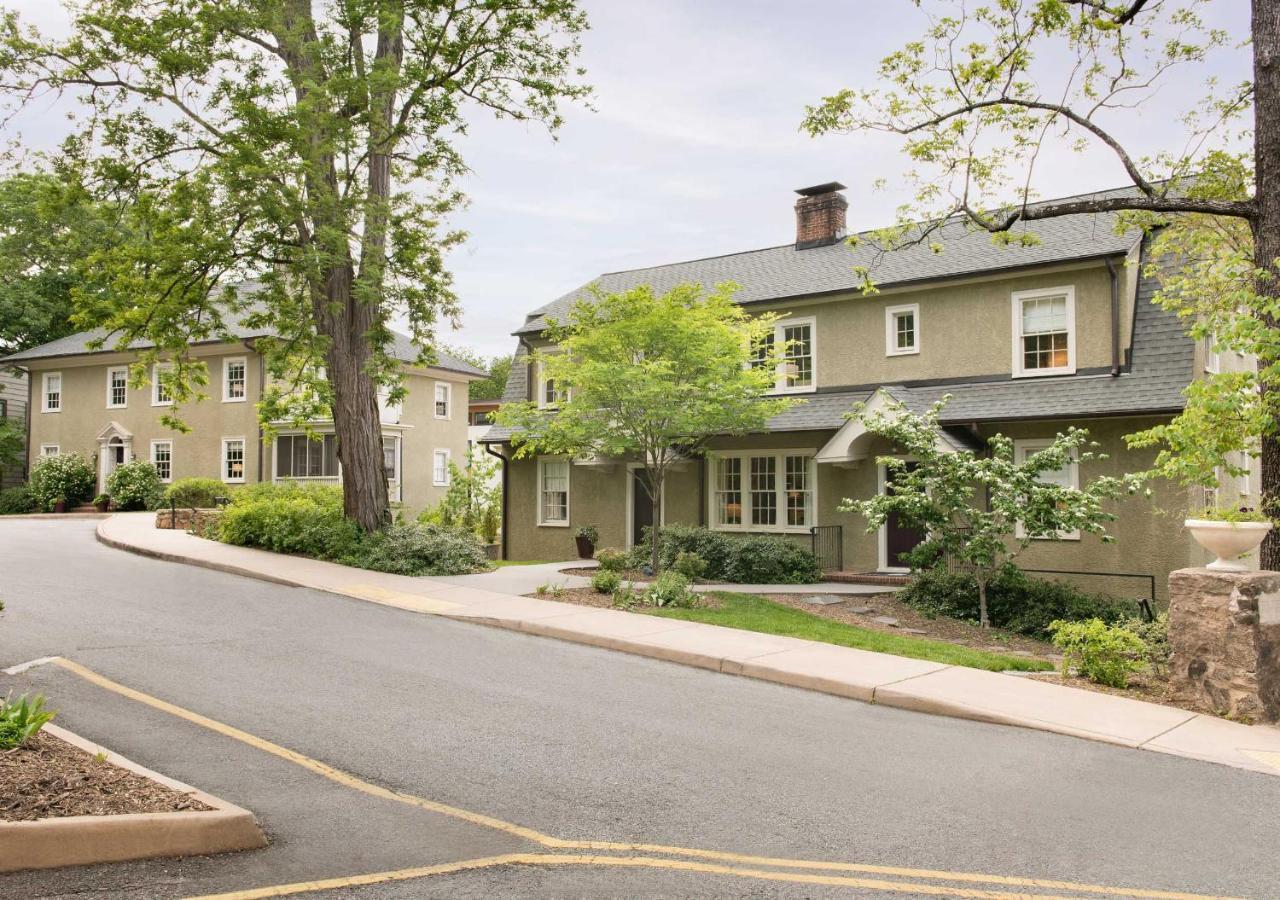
1115,316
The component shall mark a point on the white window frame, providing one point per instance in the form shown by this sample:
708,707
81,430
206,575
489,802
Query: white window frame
448,400
226,383
1019,297
156,369
1025,447
435,457
780,490
541,381
891,315
112,371
568,491
169,444
1212,358
50,450
44,392
779,331
244,460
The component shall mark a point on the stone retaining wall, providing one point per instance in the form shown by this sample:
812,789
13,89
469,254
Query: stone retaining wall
196,520
1224,632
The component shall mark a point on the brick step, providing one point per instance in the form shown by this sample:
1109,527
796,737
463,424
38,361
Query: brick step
880,578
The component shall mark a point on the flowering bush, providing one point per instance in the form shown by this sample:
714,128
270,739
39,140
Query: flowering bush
66,477
135,485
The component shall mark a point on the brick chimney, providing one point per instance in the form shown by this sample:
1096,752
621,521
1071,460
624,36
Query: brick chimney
820,215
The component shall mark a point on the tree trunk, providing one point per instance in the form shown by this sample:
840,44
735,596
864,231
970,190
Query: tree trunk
356,420
984,621
1266,225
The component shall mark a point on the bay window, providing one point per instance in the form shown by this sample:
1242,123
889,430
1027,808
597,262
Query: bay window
777,494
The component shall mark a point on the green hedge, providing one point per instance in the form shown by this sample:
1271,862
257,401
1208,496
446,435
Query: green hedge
1016,602
757,559
135,485
196,493
16,500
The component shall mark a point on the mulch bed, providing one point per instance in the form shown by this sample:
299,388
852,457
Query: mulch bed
1152,689
626,575
48,778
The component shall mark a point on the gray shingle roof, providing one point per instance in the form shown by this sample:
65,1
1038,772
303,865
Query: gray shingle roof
778,273
402,346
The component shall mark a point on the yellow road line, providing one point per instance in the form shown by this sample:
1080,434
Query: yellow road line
520,831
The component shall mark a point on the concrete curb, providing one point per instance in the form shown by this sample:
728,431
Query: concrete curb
192,561
83,840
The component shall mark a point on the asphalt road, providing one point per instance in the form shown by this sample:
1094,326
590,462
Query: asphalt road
577,743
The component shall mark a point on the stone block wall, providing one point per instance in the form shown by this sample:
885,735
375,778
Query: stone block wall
1224,632
197,520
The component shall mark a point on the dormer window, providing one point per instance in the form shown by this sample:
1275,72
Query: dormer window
1044,331
550,394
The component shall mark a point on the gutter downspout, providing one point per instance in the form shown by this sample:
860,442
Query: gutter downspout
1115,316
488,448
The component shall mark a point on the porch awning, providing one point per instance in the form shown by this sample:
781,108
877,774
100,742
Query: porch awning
852,443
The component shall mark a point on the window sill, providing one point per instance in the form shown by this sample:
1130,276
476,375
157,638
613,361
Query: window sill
811,389
50,410
165,403
1041,373
233,481
740,529
121,406
553,524
914,352
234,399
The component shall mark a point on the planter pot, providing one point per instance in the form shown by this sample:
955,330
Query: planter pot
1228,541
586,547
103,506
60,506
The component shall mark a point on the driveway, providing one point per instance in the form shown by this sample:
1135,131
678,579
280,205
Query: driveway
567,770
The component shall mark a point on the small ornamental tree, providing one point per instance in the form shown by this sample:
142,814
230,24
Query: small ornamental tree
651,376
473,502
980,512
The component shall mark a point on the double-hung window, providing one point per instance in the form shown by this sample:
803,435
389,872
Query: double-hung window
550,395
390,458
443,399
762,491
902,330
797,369
161,389
117,387
162,459
1068,477
233,460
298,456
553,492
1212,357
235,380
440,468
1044,326
51,392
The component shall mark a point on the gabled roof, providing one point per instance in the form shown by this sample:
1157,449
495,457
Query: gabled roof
402,346
783,273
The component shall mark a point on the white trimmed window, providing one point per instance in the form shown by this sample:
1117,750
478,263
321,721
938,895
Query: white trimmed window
50,450
161,392
117,387
443,399
391,457
754,491
1212,358
162,459
797,370
235,379
549,395
51,392
233,460
1044,332
1068,477
902,330
299,457
553,492
440,468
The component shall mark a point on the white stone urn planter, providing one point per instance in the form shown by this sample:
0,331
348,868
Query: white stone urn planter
1228,541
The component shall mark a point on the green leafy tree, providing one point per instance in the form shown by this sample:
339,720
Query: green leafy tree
650,376
312,146
981,512
989,86
13,443
496,370
473,501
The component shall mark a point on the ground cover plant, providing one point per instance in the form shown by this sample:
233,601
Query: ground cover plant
21,720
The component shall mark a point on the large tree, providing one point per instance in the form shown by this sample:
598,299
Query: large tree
980,97
647,376
312,145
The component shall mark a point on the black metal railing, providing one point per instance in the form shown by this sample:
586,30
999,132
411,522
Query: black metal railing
1147,605
828,546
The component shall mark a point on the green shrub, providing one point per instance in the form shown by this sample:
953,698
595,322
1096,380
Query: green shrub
308,521
671,589
21,719
66,477
196,493
690,565
769,560
1016,602
135,485
1105,654
1155,640
16,500
626,597
612,559
606,581
416,549
715,548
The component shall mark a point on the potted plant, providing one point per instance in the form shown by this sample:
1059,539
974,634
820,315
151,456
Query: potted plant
60,505
1228,533
102,503
586,537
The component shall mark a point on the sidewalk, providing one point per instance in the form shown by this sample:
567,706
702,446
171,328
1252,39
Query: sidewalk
858,674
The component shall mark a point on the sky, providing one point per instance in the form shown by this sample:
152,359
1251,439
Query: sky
693,147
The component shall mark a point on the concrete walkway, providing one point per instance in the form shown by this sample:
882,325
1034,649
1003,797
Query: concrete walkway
872,677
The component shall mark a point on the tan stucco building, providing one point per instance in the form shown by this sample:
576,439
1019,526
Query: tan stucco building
81,401
1027,340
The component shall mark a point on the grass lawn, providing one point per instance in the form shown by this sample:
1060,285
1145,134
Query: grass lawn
753,613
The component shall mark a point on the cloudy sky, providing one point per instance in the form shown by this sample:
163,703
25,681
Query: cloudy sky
693,148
